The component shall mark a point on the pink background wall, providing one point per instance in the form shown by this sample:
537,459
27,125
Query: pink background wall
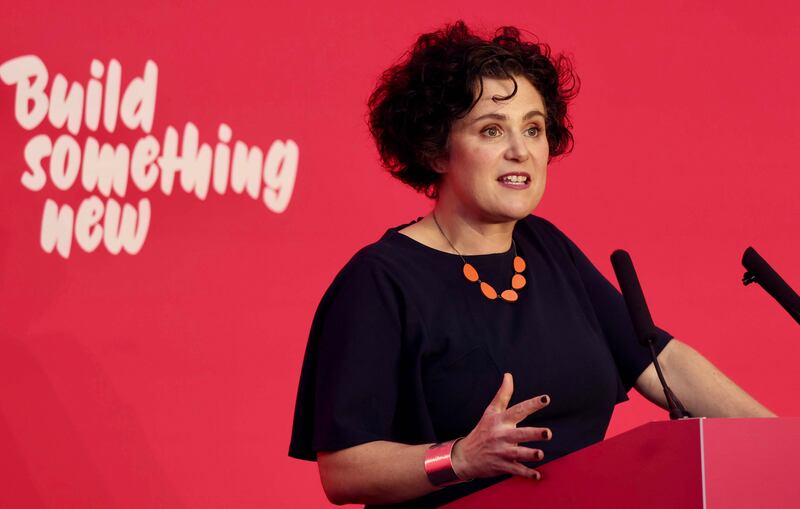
167,378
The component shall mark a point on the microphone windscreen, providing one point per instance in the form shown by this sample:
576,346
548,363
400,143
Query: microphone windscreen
633,295
770,280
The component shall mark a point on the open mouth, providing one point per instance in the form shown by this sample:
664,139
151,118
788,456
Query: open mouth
514,179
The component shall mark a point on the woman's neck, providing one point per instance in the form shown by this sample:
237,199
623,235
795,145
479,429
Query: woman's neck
457,232
472,237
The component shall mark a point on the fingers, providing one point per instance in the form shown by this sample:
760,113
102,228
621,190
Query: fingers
523,471
493,444
521,435
504,393
521,453
525,408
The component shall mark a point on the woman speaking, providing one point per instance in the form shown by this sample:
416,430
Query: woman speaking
477,341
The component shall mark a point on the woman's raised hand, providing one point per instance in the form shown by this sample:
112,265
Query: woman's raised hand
492,447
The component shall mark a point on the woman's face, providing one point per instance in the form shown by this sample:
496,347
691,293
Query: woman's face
496,163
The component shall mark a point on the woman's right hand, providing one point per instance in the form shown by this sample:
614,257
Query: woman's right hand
492,448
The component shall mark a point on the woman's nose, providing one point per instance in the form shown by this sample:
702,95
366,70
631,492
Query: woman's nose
516,150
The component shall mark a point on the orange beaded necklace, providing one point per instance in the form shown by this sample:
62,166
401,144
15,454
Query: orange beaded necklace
517,280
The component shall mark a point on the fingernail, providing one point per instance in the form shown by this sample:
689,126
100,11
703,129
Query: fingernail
539,455
545,400
546,434
538,476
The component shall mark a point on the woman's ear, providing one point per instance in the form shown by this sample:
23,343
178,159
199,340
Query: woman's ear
439,165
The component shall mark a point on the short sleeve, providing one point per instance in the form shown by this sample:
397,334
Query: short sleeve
609,307
349,380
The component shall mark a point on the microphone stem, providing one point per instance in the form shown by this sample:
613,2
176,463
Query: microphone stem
676,409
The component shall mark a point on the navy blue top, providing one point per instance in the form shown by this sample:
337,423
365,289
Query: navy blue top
403,348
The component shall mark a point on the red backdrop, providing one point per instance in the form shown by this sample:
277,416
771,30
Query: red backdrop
166,378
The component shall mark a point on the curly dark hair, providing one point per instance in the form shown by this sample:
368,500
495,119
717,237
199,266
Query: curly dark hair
416,101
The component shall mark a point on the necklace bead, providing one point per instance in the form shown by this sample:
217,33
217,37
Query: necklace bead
488,291
470,273
509,296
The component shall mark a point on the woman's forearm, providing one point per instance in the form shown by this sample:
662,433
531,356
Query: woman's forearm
375,473
703,389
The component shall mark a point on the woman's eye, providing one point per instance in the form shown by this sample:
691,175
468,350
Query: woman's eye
533,131
492,132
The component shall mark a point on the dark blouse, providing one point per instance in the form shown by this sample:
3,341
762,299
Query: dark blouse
403,348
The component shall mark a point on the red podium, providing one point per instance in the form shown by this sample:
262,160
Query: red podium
687,464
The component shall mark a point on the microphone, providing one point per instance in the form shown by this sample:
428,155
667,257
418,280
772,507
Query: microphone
759,271
643,322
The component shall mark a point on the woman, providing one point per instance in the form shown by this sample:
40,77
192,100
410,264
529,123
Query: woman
399,391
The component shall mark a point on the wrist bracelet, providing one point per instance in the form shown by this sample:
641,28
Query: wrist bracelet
439,464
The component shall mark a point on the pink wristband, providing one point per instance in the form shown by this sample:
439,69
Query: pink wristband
439,464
